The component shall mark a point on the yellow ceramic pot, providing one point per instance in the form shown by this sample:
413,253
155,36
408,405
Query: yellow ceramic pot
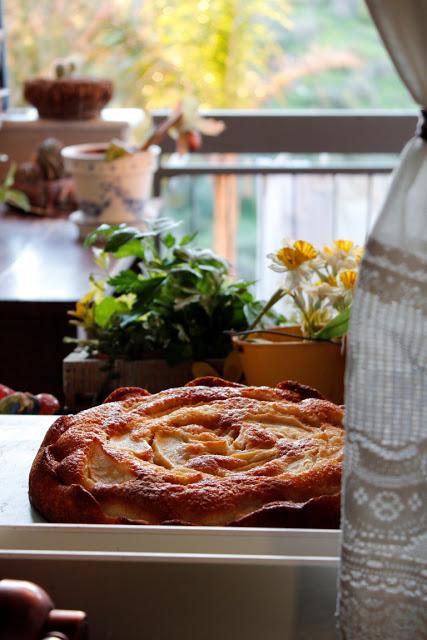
268,359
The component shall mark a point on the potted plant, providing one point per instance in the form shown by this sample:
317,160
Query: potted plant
114,180
318,287
160,323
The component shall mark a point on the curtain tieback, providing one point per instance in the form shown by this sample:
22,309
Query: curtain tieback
421,130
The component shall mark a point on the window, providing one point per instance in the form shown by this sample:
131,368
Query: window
232,53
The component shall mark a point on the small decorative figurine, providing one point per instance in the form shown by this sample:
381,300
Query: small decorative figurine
49,191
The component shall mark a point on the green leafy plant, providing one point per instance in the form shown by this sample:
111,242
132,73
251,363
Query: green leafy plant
176,301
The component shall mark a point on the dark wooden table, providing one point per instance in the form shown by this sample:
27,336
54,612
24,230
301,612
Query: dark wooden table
43,271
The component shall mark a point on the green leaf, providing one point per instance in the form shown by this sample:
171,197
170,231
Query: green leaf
168,240
103,231
129,282
242,284
336,328
185,268
187,239
117,149
181,303
119,238
106,309
18,199
124,282
251,311
133,247
208,267
165,224
10,176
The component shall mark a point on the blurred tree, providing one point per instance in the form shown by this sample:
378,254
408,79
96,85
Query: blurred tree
38,33
229,53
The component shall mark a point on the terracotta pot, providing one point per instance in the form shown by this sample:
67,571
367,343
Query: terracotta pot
268,359
111,191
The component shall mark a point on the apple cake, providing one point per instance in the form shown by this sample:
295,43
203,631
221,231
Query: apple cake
209,453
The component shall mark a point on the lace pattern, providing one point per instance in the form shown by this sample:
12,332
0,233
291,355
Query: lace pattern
395,275
383,579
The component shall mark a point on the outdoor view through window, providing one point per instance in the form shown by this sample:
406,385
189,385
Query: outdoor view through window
230,54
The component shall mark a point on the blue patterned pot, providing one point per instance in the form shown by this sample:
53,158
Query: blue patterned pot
111,191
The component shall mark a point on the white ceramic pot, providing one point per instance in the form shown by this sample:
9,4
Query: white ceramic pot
111,191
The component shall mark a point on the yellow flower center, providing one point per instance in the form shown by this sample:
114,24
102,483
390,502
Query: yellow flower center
294,257
344,245
331,280
348,279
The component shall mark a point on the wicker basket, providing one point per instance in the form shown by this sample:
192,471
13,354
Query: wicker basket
68,98
87,383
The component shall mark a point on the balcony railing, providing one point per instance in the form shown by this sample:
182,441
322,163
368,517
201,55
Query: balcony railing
313,174
317,175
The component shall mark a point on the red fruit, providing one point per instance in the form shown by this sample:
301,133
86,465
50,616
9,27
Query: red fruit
194,140
48,404
5,391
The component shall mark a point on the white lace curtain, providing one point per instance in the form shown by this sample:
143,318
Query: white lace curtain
383,580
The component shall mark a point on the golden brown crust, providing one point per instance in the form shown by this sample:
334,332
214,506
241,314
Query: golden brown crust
209,453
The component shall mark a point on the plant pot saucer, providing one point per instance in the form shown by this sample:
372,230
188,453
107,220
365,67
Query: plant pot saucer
86,223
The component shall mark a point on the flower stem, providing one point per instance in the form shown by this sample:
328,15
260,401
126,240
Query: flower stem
300,304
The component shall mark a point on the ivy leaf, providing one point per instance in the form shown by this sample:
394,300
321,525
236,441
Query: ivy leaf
208,267
124,282
103,231
132,247
119,238
187,239
168,240
185,268
181,303
336,328
130,282
165,224
107,308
